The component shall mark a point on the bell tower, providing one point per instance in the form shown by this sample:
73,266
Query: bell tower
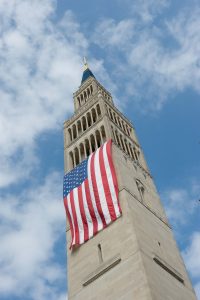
136,257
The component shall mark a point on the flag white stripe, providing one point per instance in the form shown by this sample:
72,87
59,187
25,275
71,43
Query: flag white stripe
110,181
100,188
78,214
70,212
99,221
87,212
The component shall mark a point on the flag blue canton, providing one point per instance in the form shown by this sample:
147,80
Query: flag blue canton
75,177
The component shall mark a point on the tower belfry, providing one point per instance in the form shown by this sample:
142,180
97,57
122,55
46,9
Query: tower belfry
135,257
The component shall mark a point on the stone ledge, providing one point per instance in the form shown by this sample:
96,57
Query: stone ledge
102,269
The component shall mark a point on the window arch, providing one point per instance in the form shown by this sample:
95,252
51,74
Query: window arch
92,141
89,119
85,95
88,92
98,138
84,124
131,149
76,156
91,89
82,152
74,131
111,115
70,134
127,148
103,134
114,115
71,160
94,115
98,110
119,122
123,126
122,143
87,147
79,127
117,137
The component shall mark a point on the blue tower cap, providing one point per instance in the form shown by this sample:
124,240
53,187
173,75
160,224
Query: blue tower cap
87,72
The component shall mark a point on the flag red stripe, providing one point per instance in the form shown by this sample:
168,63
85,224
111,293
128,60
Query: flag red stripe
112,169
106,186
90,207
96,193
74,218
84,220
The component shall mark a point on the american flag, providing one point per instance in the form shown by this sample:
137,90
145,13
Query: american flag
90,193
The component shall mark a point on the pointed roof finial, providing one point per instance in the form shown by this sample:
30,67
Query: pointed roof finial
85,63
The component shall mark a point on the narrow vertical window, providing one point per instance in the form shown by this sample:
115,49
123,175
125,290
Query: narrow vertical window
100,253
141,189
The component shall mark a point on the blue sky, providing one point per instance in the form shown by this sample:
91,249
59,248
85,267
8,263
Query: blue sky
147,54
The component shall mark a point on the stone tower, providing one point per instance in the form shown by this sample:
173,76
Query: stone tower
136,257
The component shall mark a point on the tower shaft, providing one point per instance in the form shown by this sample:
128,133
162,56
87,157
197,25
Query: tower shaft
136,257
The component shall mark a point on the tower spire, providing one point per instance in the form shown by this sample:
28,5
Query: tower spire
86,71
85,63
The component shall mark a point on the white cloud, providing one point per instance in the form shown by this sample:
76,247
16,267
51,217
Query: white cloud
147,10
181,203
192,257
40,68
112,33
192,260
153,61
197,290
31,225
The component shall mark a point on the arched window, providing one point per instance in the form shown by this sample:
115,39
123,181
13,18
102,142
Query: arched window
137,153
114,115
103,134
87,147
79,101
111,115
127,130
113,135
91,89
131,149
98,138
117,137
119,122
79,127
81,98
71,160
123,126
82,152
94,115
84,124
92,141
127,148
89,119
76,156
85,95
74,131
122,143
88,92
70,134
98,110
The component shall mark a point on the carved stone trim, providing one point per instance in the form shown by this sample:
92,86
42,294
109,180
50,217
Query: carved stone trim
102,269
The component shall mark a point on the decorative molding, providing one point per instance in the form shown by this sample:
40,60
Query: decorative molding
163,264
102,269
